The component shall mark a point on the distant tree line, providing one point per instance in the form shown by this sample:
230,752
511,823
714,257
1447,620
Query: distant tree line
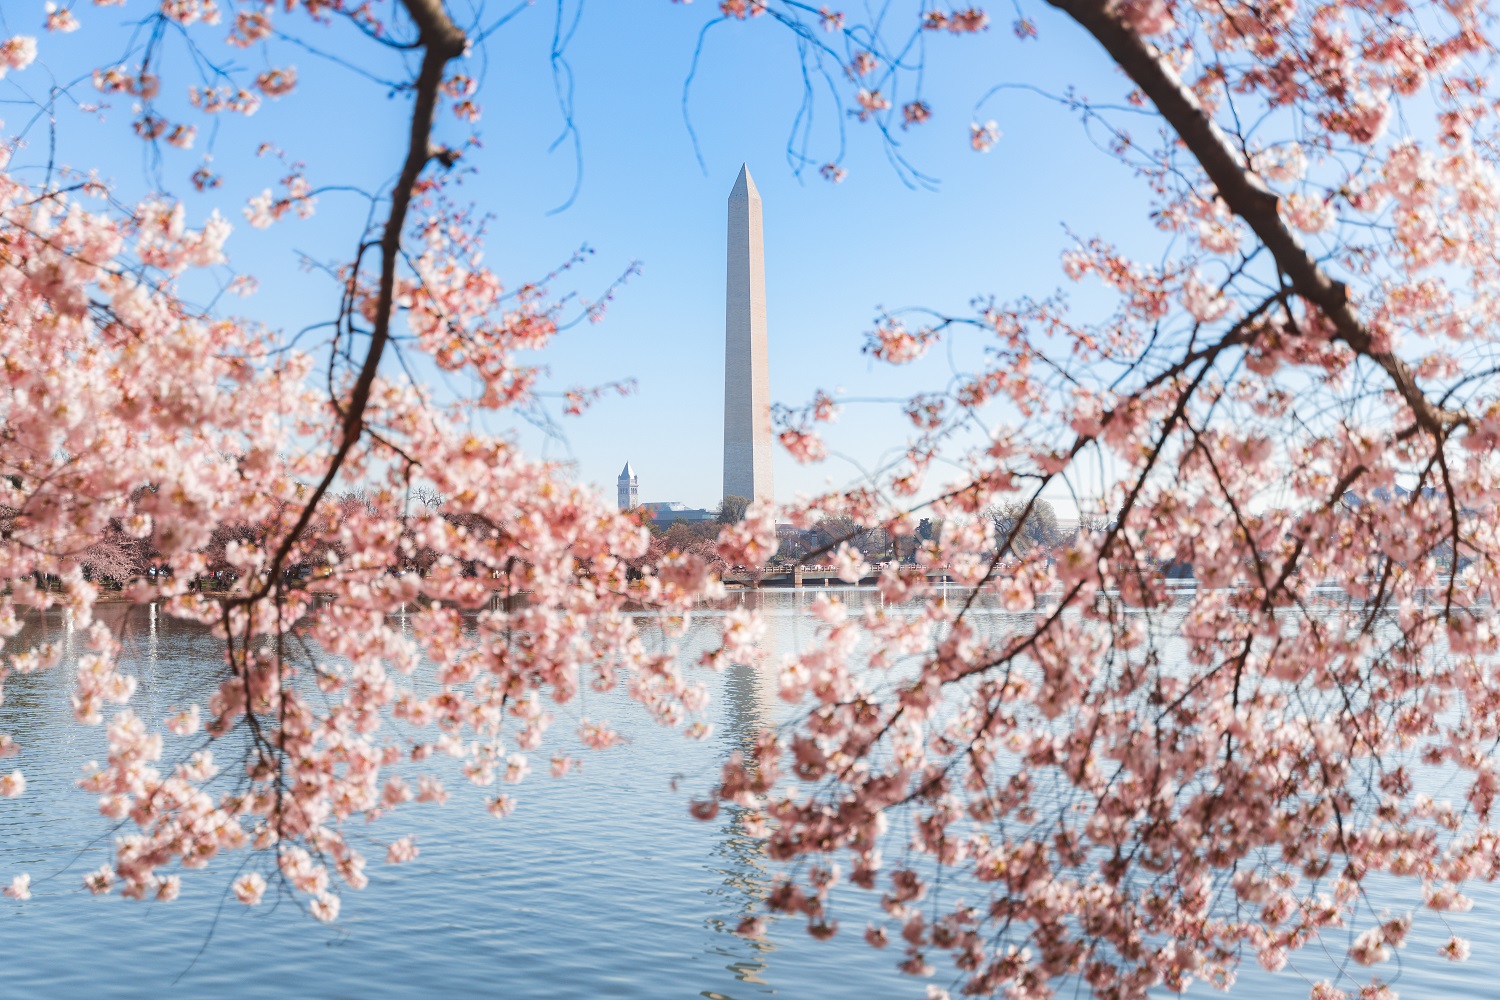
125,550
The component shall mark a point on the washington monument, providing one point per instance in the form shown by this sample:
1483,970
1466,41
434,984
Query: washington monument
747,390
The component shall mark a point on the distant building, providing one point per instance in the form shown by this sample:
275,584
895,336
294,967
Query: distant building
663,514
626,488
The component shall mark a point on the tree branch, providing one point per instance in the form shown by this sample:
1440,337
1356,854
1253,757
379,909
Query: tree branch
1250,199
440,41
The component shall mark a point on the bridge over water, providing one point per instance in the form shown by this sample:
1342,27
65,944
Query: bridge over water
818,576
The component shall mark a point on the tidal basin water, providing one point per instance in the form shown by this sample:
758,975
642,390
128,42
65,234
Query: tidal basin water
599,885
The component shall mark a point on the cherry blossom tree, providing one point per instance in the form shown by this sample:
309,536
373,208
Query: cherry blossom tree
132,412
1112,786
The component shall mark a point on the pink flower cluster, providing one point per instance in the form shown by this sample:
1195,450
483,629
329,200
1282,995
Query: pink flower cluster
516,588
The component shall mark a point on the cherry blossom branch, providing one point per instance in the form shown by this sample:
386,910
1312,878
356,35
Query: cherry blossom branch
1249,198
441,41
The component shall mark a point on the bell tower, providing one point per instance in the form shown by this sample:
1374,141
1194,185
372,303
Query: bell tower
626,489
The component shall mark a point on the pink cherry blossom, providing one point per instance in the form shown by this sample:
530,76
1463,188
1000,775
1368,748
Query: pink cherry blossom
401,850
849,564
982,137
325,907
804,446
17,52
60,20
277,82
1308,213
101,881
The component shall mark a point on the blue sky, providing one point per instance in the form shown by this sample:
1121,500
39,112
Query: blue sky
835,253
